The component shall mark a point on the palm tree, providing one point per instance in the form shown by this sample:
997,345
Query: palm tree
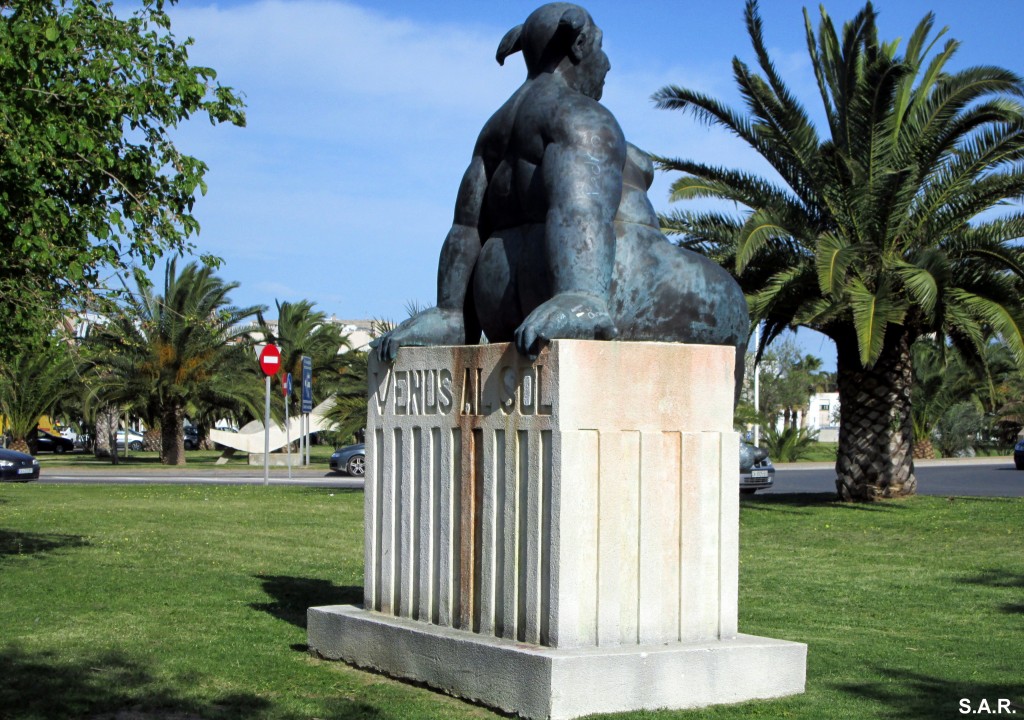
992,383
348,414
236,391
303,331
931,394
159,352
877,233
32,384
789,444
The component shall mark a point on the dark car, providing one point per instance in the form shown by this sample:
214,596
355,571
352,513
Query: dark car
191,437
756,469
17,467
48,442
350,460
1018,454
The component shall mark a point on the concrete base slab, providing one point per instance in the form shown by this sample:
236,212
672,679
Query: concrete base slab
541,682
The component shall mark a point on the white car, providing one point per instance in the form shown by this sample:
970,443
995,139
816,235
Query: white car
756,469
135,440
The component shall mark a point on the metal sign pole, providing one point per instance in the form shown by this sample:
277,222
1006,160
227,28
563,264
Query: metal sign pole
266,438
757,387
307,398
288,434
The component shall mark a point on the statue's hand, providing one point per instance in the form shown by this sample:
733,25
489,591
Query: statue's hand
569,315
430,327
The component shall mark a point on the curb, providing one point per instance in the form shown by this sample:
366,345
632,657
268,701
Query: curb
937,462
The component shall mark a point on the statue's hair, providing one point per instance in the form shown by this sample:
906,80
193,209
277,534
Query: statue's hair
546,37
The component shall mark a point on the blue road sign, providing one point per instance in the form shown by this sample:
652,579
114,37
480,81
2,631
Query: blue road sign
307,384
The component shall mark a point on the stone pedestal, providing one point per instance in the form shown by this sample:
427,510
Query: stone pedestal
556,538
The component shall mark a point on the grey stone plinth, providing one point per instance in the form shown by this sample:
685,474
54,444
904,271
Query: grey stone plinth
544,682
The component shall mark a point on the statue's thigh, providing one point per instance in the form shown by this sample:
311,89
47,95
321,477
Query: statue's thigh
510,280
494,288
663,292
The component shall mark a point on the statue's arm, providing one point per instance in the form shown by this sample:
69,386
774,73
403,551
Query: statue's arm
582,174
462,245
583,184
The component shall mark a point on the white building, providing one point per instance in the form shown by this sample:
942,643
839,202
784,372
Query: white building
823,416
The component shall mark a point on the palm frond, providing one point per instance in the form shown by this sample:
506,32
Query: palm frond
833,259
873,313
1007,322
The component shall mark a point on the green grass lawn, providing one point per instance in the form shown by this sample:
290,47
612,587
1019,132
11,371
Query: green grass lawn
178,603
821,452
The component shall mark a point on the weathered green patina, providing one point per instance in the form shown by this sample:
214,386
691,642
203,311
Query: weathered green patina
554,235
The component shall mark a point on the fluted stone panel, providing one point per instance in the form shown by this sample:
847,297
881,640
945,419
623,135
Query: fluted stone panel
571,502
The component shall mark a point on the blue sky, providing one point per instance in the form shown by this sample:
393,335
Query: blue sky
362,116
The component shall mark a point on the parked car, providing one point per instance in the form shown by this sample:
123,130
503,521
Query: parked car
756,469
350,460
135,440
191,437
17,467
48,442
1018,454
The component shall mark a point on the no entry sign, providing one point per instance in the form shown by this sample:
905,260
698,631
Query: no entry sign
270,359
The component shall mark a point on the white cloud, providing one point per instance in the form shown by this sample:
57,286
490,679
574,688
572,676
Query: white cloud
360,125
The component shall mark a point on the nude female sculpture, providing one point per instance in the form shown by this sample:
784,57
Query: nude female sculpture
554,236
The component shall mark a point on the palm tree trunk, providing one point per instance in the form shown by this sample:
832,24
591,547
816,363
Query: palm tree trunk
172,435
875,458
924,449
104,444
152,440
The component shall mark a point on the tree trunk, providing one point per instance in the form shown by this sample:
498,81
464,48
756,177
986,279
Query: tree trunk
152,440
105,442
172,435
875,458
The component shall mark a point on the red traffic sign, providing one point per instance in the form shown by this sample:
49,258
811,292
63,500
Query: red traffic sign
270,359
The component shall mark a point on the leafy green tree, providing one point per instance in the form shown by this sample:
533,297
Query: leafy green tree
787,381
959,428
90,178
32,383
161,351
991,382
877,233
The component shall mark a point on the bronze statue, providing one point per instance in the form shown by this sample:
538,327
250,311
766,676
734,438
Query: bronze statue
554,236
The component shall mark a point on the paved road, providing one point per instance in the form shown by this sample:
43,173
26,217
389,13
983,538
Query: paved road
974,477
977,477
198,476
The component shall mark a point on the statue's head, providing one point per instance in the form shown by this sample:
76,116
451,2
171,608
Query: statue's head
557,32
